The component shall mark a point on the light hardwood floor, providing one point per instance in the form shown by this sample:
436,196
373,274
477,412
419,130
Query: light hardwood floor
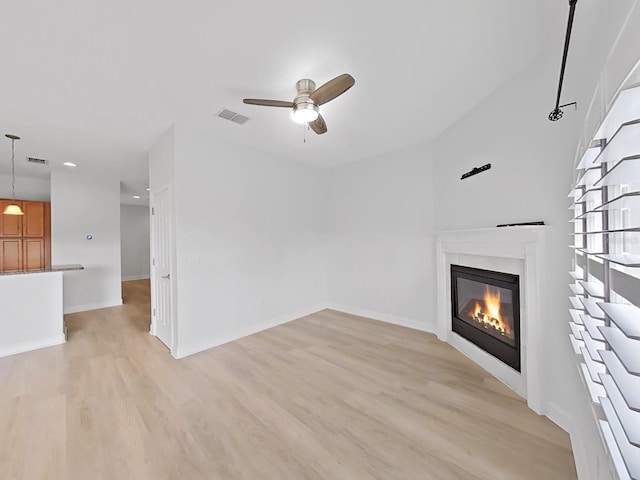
329,396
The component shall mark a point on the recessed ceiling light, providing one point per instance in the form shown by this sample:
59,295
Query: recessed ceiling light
148,189
70,164
136,196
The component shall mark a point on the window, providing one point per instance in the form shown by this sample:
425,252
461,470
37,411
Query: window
605,313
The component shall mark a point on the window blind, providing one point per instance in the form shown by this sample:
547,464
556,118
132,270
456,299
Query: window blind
605,280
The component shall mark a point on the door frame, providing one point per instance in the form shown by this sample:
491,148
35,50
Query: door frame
172,262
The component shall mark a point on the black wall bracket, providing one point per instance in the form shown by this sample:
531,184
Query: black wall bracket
476,171
538,222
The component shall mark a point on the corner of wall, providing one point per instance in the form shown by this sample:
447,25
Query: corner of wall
182,351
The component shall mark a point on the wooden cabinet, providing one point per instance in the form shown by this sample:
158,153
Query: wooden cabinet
25,240
33,256
10,254
33,220
10,225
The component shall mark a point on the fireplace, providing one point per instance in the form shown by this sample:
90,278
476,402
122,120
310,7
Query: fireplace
485,309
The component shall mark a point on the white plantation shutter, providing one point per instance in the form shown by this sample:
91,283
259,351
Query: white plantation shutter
605,282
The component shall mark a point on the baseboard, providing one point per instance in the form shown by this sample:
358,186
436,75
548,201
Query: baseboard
558,417
136,277
92,306
185,351
27,347
385,317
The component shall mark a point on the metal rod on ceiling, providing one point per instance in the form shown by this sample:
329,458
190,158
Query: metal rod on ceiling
557,113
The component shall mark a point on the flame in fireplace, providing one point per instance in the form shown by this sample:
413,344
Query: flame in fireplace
488,312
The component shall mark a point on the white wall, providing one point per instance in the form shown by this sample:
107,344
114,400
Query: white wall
134,242
162,161
250,240
84,205
532,162
382,259
27,188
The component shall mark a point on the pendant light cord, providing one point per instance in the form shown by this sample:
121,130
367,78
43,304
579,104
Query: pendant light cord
13,169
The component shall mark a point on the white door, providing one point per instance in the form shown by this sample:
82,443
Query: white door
161,253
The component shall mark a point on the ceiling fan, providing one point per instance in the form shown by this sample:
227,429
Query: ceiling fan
305,105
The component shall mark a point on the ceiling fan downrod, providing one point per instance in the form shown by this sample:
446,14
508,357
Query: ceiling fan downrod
556,113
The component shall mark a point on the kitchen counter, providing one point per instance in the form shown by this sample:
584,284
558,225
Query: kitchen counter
53,268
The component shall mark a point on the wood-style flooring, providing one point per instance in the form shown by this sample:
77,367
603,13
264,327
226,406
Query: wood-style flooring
329,396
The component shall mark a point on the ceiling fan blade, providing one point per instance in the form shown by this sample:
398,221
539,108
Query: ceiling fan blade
268,103
318,125
332,89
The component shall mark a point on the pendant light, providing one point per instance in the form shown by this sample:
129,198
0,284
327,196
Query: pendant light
13,208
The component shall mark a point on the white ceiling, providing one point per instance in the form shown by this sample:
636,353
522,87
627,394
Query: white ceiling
97,82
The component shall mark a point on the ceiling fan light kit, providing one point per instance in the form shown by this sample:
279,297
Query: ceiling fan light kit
305,112
305,107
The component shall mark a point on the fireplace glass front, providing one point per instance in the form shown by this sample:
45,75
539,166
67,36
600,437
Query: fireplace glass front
486,311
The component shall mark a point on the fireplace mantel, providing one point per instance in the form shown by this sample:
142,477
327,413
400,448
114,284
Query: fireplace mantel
519,250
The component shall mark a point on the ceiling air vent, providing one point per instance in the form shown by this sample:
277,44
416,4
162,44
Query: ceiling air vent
233,116
37,161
